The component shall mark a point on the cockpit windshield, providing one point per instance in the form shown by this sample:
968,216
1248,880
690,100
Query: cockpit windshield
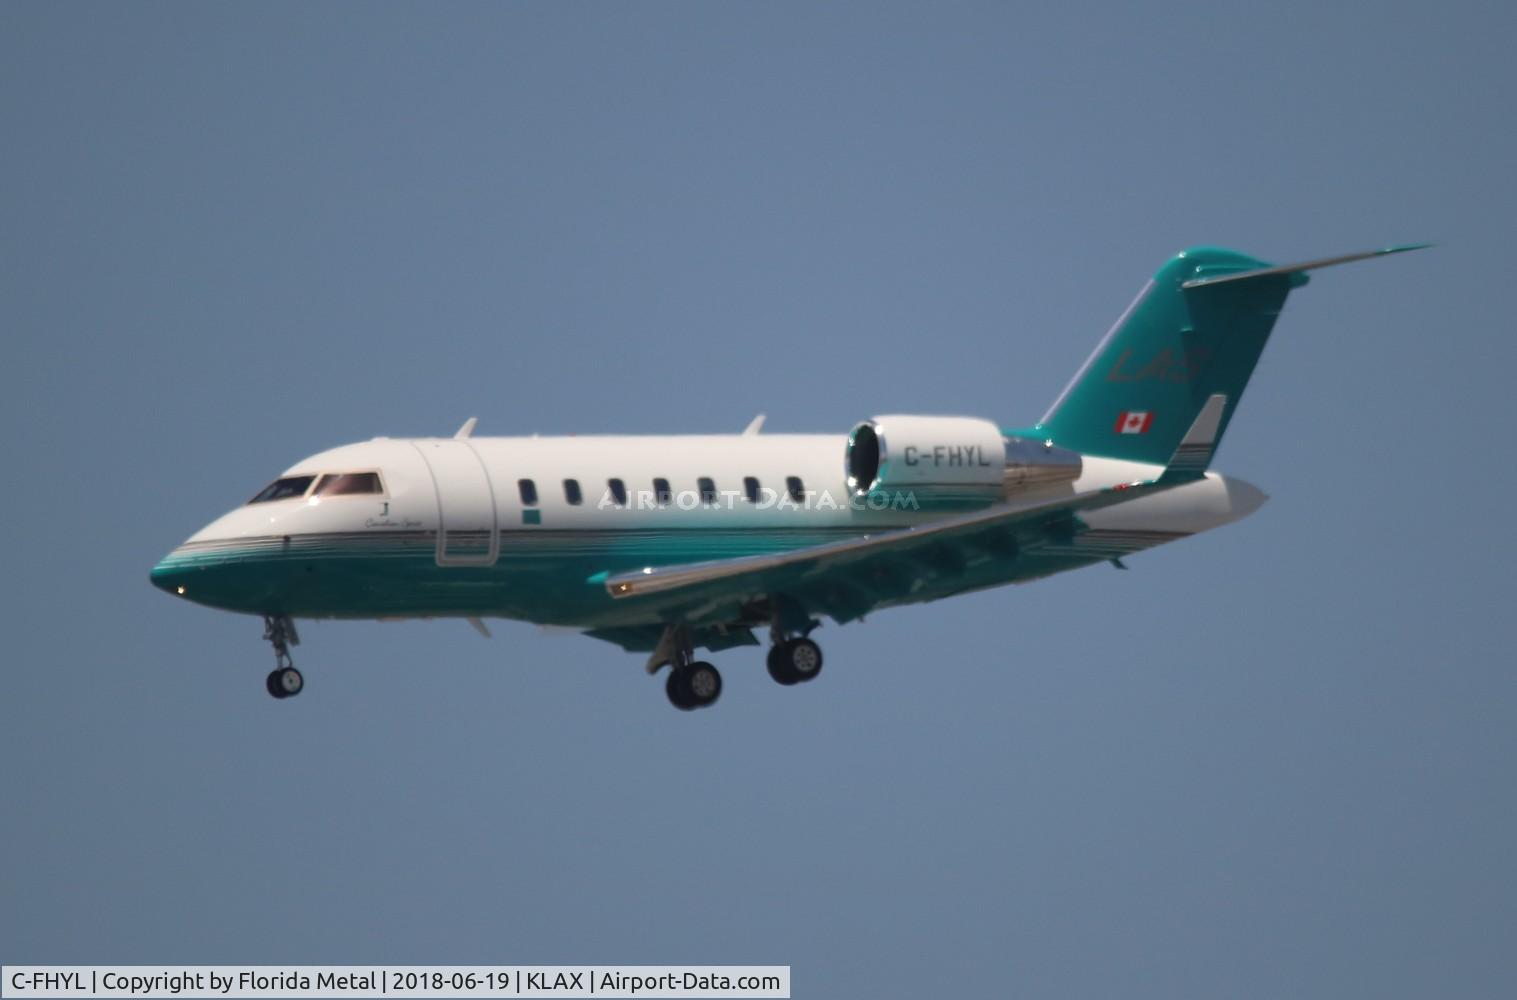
348,483
331,484
282,489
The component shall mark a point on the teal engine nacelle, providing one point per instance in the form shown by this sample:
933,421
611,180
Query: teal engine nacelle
939,463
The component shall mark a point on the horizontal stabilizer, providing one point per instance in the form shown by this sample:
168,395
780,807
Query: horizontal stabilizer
1310,265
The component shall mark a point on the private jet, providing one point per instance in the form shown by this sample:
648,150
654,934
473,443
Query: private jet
667,545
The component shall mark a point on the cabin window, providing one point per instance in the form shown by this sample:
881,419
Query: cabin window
618,491
661,492
572,493
751,488
528,490
342,484
795,488
708,490
283,489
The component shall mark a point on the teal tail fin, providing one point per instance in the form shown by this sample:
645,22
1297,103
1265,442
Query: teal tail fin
1195,332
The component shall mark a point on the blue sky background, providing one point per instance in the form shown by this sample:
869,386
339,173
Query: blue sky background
1273,761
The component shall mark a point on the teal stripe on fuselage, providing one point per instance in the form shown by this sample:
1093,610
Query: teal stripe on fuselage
539,574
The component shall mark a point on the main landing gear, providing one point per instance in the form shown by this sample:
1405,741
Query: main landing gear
284,681
795,661
696,684
692,683
793,657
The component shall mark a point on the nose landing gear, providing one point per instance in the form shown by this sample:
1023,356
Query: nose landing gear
284,681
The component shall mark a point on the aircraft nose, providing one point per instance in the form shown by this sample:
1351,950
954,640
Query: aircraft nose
167,577
204,573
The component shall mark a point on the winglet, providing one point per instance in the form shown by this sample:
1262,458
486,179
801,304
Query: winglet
754,426
1199,443
466,430
1297,269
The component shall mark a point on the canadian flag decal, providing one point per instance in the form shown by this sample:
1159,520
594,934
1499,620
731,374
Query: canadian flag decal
1134,422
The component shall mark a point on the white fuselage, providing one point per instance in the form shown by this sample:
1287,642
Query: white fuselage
488,526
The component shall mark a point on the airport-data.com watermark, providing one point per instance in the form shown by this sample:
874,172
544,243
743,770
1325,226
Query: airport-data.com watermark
761,499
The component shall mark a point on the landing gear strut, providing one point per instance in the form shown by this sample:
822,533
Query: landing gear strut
692,683
284,681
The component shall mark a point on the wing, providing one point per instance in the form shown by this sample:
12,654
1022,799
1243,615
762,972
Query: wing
847,579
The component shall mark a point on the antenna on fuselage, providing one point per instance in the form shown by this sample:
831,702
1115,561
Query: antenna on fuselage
466,430
754,426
